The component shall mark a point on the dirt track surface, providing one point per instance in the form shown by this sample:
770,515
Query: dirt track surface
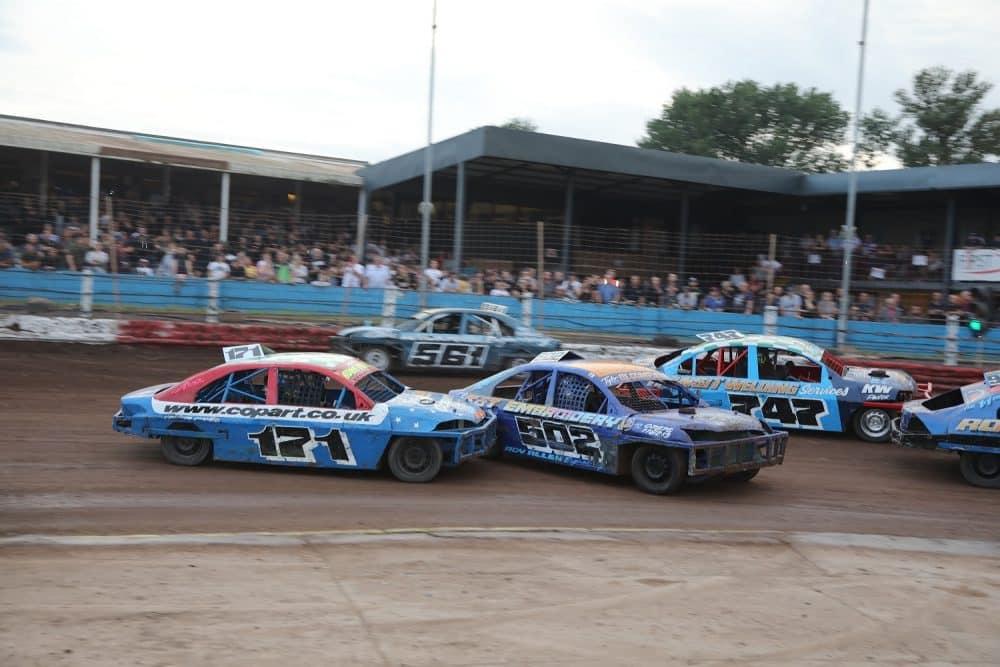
66,471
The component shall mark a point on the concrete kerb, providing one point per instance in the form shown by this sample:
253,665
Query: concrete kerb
953,547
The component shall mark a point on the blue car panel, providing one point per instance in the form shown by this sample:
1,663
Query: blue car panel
451,339
966,421
790,383
319,410
597,415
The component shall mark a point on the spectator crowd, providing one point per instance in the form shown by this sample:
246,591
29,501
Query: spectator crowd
292,253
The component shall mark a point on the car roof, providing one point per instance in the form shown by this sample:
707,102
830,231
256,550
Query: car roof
326,360
427,312
785,342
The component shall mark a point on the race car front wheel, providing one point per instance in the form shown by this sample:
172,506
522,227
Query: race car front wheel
186,451
873,424
659,470
981,469
377,357
415,459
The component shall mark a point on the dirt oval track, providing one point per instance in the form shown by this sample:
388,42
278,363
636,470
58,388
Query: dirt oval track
65,471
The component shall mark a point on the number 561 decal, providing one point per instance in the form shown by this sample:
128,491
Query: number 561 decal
799,412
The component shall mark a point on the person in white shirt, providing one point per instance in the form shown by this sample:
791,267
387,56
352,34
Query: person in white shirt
354,273
219,268
499,289
449,283
377,273
433,273
299,270
97,259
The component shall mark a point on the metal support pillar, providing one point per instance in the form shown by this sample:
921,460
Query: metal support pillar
166,183
567,226
359,243
297,209
682,245
43,183
459,216
95,196
949,243
224,209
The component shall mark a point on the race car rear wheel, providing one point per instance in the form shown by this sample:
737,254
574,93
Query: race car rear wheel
378,357
873,424
415,459
743,475
186,451
658,469
981,469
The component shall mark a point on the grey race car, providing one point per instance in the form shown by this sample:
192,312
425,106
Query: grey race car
457,339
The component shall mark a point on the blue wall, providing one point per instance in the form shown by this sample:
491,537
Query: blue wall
148,293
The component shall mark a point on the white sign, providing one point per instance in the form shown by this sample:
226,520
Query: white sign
976,265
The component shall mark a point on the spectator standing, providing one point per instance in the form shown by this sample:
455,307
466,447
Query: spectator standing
433,274
354,273
608,290
863,307
937,308
827,307
31,258
218,269
449,283
633,291
809,307
265,268
96,258
891,310
789,303
377,274
687,299
714,301
653,293
299,270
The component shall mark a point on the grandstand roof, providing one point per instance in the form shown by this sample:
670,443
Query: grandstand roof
534,158
121,145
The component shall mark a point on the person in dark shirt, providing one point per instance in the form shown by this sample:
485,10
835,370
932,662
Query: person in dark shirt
633,292
31,258
937,308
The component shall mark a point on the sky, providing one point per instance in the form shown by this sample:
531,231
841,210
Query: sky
350,79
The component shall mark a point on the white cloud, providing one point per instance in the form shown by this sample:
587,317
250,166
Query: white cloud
350,79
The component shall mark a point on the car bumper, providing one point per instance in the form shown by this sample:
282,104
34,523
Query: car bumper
910,438
342,346
473,442
737,455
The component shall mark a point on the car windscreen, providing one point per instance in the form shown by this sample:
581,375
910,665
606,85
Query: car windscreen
380,387
651,395
411,323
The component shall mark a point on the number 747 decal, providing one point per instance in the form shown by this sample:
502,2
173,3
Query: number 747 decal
798,412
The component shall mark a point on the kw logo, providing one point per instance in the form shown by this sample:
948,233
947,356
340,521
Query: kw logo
876,389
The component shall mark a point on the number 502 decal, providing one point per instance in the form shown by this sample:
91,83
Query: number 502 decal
800,412
568,440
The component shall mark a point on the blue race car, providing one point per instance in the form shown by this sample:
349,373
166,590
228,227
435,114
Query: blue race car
791,383
615,417
965,420
306,409
446,339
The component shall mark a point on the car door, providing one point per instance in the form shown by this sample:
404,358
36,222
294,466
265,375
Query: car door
788,390
714,371
440,342
565,432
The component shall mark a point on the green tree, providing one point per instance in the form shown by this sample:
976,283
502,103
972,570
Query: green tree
524,124
779,125
941,121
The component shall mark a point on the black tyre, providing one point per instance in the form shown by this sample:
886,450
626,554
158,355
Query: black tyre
980,469
873,424
415,459
658,469
743,475
186,451
378,357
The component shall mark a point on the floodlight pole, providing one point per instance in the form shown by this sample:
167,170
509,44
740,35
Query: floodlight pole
425,205
852,190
